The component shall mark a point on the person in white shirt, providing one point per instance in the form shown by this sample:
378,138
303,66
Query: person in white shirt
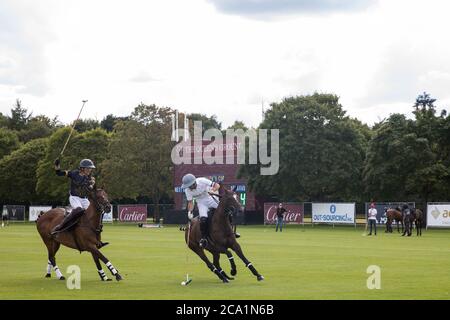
372,217
200,189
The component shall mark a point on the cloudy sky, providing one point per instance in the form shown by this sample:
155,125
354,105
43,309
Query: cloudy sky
222,57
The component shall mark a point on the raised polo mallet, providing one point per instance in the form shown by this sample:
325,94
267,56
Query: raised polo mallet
188,280
73,127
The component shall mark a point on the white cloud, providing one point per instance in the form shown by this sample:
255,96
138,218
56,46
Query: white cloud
271,8
24,35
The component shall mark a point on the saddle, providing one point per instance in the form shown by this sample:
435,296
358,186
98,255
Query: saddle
71,221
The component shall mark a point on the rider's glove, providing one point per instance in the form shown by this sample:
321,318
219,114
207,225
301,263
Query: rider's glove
190,215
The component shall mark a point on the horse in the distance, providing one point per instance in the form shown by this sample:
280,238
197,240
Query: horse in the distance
221,238
416,218
419,221
394,215
84,235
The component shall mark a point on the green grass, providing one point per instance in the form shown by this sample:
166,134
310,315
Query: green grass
300,263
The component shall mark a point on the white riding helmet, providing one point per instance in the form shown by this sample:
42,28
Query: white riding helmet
188,180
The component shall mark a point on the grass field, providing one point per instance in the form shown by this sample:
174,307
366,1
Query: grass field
319,262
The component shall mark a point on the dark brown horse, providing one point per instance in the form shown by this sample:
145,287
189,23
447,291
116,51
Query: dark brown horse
393,215
221,238
83,236
417,219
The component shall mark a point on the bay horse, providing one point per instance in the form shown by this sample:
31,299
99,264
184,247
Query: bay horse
394,215
84,235
221,237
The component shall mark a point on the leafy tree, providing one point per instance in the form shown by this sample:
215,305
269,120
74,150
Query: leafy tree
18,172
37,127
408,159
207,122
19,117
91,144
110,121
3,121
238,125
321,151
84,125
139,162
9,141
431,177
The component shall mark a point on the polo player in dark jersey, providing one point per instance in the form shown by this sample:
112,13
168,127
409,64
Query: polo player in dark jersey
81,183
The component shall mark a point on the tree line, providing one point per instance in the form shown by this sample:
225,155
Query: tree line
324,154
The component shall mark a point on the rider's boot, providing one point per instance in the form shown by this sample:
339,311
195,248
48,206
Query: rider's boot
68,220
204,231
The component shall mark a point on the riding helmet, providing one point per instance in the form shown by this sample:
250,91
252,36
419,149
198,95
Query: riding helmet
188,180
87,163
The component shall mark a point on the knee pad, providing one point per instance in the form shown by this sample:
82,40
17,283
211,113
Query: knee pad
203,219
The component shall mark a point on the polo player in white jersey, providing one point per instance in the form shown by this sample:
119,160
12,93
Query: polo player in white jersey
199,189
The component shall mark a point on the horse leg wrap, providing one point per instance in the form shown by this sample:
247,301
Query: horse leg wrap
252,269
111,268
58,272
102,275
49,267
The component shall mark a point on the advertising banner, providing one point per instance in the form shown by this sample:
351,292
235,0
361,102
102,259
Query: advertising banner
334,213
132,213
35,210
438,215
108,216
294,212
15,213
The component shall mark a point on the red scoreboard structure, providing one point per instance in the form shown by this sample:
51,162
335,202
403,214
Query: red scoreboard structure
224,173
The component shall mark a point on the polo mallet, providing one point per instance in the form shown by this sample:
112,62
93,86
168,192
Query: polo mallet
188,280
73,128
365,230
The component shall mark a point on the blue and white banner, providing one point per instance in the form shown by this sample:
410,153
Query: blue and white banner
36,210
108,216
334,213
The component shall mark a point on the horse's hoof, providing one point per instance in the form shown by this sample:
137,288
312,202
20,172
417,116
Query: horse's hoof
48,275
118,277
62,278
260,278
225,280
233,272
108,279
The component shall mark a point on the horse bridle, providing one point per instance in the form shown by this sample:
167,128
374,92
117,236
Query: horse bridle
228,210
99,206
